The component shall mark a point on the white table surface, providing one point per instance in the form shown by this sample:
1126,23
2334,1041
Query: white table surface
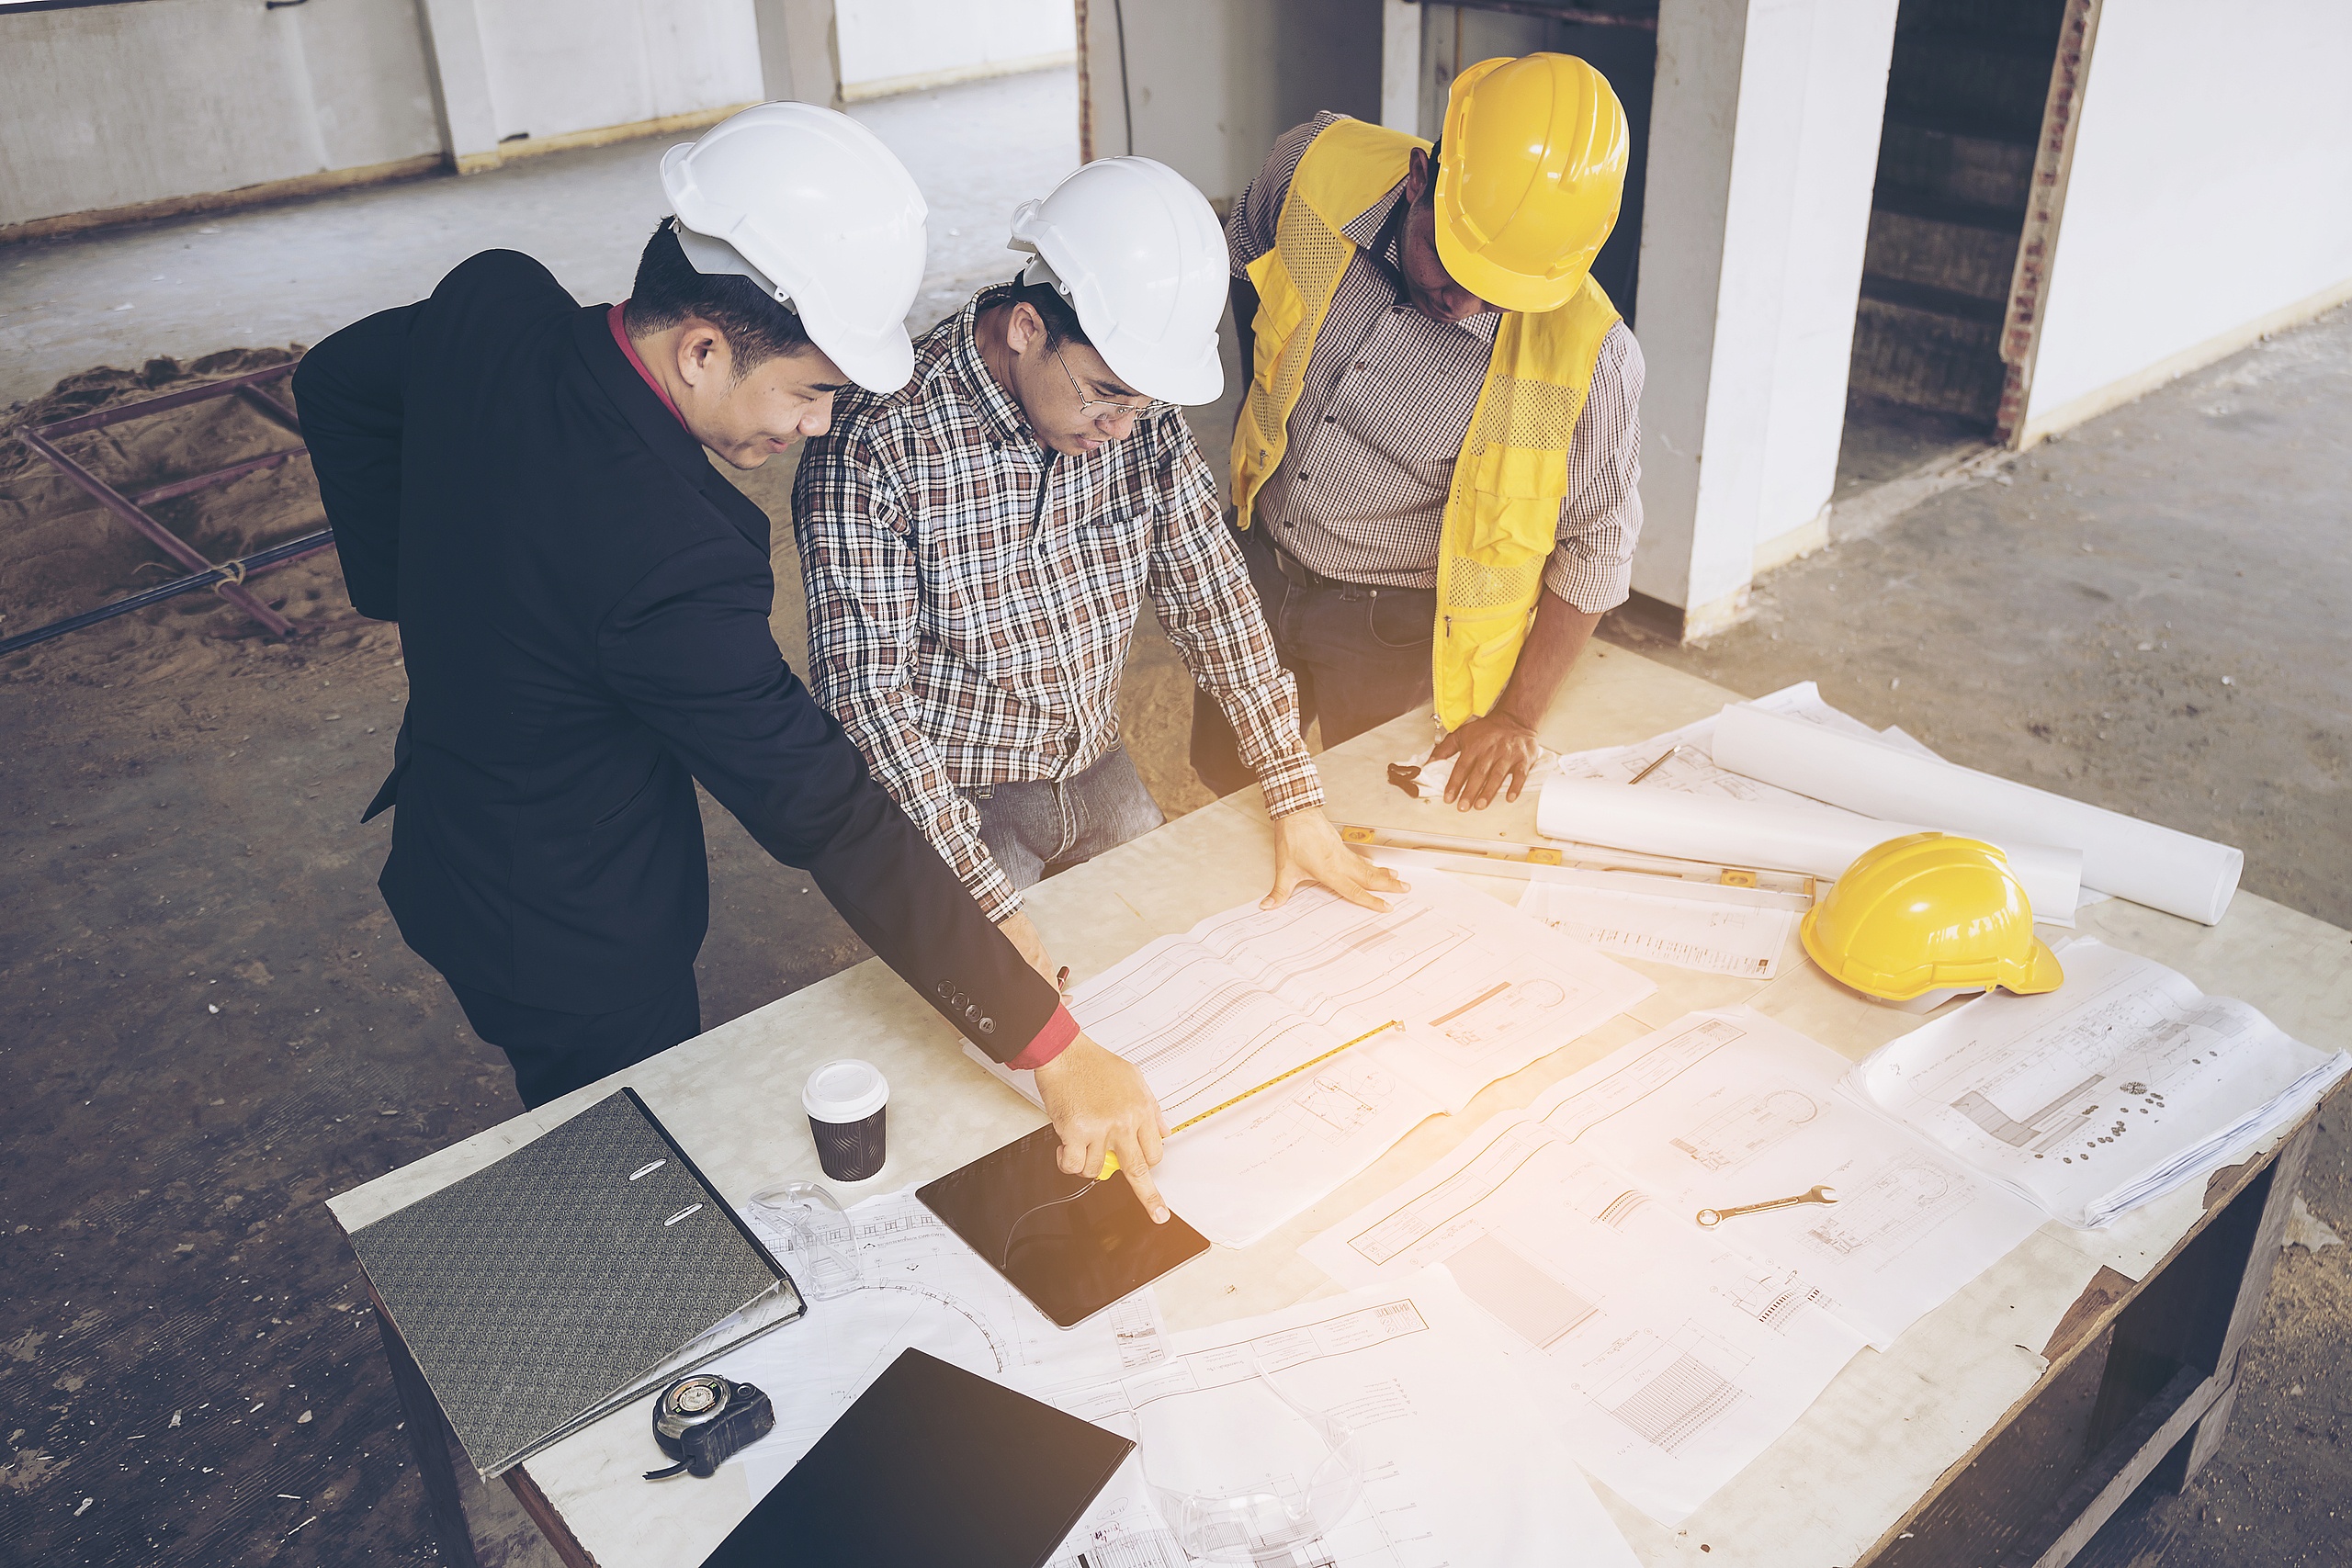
1876,1441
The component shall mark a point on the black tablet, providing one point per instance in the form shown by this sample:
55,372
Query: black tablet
1072,1245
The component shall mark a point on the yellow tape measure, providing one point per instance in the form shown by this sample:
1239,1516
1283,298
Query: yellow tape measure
1111,1161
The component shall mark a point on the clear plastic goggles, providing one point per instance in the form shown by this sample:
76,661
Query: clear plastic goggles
1275,1525
825,1263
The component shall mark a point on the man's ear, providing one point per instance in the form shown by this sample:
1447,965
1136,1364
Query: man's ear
702,353
1417,177
1024,327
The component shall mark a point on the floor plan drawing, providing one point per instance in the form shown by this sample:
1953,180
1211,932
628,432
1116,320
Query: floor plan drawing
1470,990
1665,1360
1746,1127
1721,1110
1455,1464
2101,1095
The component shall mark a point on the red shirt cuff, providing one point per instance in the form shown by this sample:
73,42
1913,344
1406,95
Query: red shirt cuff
1052,1040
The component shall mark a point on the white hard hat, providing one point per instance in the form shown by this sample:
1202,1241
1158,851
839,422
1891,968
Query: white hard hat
1136,252
811,206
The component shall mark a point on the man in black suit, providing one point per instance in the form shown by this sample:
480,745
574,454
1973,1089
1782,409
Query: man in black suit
522,483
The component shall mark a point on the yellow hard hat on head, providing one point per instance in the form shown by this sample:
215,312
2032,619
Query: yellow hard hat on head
1529,174
1926,913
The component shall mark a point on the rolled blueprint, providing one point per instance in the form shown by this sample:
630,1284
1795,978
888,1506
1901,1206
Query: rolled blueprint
1808,839
2160,867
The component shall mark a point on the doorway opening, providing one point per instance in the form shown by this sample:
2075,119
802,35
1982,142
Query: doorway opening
1966,98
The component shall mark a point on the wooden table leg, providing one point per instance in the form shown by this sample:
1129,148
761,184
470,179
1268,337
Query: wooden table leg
428,1439
2245,1309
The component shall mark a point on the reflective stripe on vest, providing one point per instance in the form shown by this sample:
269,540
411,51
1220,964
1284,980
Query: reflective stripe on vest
1502,512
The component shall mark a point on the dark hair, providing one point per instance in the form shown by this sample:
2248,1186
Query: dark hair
1061,321
669,290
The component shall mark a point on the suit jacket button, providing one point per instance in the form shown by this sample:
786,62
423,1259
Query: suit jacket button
943,990
987,1026
972,1013
959,1000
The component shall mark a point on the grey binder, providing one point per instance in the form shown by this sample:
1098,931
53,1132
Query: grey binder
587,1267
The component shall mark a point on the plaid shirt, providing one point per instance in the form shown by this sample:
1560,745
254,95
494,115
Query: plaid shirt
971,595
1360,493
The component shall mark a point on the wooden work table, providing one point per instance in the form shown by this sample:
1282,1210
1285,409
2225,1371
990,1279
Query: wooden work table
2001,1429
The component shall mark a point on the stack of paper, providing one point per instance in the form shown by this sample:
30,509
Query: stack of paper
1478,991
1455,1464
1668,1354
2102,1095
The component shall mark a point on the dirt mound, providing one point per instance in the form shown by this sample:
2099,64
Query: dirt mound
61,553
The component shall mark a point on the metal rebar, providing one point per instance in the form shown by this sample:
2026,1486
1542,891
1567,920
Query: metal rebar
171,543
216,477
220,576
120,412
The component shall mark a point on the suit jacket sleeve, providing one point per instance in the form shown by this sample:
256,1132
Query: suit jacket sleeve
348,389
689,652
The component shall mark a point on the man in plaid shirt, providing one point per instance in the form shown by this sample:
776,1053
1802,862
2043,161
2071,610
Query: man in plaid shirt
978,545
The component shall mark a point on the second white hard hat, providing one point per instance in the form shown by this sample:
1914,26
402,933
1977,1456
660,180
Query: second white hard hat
811,206
1140,255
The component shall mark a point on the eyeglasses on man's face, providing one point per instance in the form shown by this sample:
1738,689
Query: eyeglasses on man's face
1103,411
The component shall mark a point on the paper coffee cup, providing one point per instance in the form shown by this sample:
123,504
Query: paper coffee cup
847,1102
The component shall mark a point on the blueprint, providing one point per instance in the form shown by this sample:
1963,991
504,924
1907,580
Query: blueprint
1457,1467
922,1288
2104,1094
1690,930
1723,1109
1664,1360
1479,992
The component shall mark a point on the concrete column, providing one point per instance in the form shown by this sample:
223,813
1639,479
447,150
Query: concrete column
461,84
800,52
1763,151
1400,65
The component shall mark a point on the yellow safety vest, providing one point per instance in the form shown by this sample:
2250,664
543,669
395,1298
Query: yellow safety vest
1502,513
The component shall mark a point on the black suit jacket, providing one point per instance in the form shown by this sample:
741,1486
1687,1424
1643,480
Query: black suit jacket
583,607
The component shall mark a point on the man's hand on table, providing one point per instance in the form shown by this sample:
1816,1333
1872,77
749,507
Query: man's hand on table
1308,848
1488,753
1101,1105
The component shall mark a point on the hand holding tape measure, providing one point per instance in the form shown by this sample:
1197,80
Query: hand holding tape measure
1111,1161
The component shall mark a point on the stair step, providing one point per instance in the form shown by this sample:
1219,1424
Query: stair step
1935,164
1931,300
1958,259
1927,358
1955,74
2040,20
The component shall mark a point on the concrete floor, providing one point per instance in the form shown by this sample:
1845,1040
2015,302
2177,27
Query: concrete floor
187,1379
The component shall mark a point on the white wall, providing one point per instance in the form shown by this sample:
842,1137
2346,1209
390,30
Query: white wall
1764,145
2211,187
1210,83
556,67
109,105
895,42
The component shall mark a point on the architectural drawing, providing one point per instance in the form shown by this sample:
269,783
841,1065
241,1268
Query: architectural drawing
1746,1127
1478,991
1455,1464
2102,1095
1723,1109
1665,1361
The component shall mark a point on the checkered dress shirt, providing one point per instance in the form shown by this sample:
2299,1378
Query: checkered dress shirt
1360,493
971,595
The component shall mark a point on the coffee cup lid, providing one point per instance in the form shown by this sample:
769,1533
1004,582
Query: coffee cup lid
845,1090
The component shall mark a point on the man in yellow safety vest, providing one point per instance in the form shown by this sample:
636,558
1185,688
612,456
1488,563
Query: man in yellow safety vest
1435,464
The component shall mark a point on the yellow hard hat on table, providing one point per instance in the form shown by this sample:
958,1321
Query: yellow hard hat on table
1930,912
1529,174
